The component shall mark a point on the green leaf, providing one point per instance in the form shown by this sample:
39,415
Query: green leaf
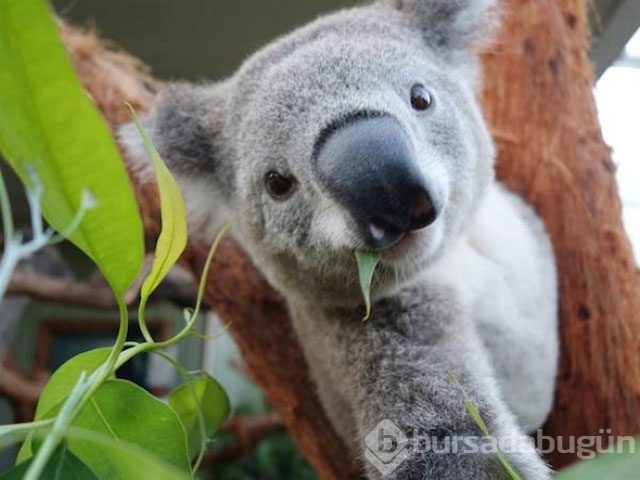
367,263
26,449
623,464
63,465
60,385
49,124
173,237
65,378
480,423
127,413
202,405
126,461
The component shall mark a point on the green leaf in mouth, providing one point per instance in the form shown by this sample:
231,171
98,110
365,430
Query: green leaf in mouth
367,262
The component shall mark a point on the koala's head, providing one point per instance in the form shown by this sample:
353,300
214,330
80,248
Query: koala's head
359,131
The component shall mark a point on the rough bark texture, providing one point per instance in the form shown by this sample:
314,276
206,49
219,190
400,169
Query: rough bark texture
538,99
539,102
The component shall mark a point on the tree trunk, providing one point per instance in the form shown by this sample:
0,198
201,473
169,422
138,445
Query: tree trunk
538,99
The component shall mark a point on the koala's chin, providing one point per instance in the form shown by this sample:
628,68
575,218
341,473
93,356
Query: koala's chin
335,285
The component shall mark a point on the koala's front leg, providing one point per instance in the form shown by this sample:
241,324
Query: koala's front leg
404,375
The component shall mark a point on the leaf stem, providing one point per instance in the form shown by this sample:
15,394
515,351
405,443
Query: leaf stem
53,439
78,397
480,423
11,434
142,323
14,249
34,198
7,216
147,346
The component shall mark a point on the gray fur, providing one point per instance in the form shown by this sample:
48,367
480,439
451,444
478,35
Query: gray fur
222,139
399,366
452,26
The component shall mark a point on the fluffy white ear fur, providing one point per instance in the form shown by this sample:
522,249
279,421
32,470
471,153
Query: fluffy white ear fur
204,223
130,141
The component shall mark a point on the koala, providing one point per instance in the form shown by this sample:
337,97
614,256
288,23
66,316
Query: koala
363,131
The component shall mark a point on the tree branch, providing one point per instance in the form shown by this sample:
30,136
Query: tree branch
44,287
64,290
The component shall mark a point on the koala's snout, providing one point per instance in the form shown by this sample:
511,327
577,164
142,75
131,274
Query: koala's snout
368,167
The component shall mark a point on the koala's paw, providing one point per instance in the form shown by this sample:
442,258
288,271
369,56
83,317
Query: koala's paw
459,466
529,465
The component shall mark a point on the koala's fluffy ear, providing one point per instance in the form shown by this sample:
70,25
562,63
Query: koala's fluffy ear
185,126
451,27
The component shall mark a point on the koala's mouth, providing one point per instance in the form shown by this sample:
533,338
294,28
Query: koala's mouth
402,247
400,234
382,235
413,244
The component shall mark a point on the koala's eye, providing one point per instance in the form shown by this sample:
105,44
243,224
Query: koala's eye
279,186
421,99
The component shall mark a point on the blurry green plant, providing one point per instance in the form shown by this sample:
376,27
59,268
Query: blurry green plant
621,464
275,458
88,424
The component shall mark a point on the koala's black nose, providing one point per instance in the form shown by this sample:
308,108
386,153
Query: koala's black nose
368,167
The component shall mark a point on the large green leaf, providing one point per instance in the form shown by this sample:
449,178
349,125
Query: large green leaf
126,461
48,123
624,464
127,413
66,377
202,405
60,385
63,465
173,237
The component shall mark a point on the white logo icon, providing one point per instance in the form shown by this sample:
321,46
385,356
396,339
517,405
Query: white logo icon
387,447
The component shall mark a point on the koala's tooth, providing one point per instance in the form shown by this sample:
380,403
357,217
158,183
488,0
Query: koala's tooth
376,232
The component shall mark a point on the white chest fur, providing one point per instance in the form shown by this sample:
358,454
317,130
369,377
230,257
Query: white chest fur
504,272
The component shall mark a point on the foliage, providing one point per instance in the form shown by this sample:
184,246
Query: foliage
173,238
89,424
275,458
622,464
49,125
367,263
200,424
62,465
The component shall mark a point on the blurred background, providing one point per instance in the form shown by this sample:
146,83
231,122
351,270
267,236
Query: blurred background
207,40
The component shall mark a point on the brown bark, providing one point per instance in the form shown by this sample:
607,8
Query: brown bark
538,98
539,103
65,290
